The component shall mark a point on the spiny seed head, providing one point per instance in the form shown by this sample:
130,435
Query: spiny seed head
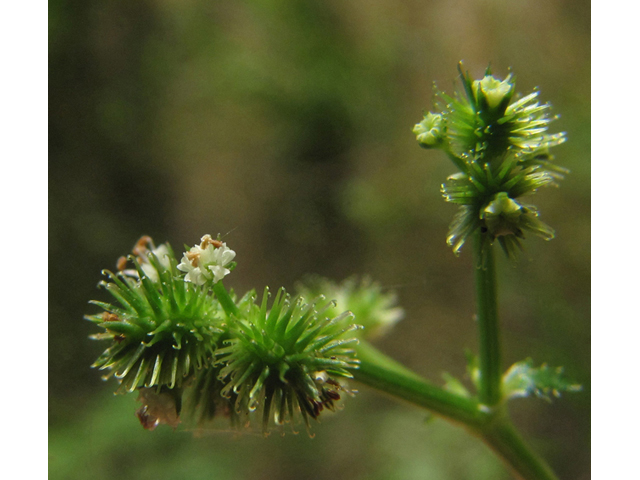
177,334
501,147
285,361
160,327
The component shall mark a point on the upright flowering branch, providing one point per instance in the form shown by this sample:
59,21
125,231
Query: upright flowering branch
501,149
490,381
500,145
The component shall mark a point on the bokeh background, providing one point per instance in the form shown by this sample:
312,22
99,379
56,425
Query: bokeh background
286,127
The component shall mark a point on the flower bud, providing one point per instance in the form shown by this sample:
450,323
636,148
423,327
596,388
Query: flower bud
506,219
493,93
430,131
502,215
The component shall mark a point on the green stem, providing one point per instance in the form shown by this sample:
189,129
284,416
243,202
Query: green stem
503,438
487,301
381,372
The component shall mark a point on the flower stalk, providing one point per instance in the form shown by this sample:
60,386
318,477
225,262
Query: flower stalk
384,374
499,143
502,437
487,317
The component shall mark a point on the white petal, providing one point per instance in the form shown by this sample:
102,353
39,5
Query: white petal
150,271
208,255
227,256
219,272
162,252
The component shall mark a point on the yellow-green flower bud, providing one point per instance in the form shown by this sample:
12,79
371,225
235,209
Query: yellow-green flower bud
506,220
495,93
502,216
430,131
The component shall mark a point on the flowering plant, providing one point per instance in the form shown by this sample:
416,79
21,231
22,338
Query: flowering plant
196,351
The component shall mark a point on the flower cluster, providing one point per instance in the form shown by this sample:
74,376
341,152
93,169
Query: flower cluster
207,262
501,146
178,337
161,328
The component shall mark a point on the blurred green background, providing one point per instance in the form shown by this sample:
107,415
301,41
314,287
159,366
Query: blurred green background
286,125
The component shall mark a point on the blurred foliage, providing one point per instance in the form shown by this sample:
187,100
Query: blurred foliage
286,127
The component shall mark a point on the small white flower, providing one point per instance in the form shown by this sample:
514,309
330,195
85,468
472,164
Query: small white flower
194,274
142,249
162,253
206,262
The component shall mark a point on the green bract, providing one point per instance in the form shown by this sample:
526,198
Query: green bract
501,148
523,379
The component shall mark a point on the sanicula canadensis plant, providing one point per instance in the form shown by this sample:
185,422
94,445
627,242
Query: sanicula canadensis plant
195,351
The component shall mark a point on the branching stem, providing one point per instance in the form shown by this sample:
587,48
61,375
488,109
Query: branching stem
383,373
491,425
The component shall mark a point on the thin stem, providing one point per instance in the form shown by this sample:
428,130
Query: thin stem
487,301
383,373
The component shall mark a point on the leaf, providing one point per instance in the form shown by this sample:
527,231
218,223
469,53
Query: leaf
523,379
